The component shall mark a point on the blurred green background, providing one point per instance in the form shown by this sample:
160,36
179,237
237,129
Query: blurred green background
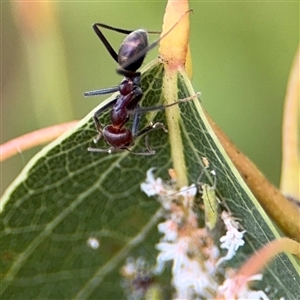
242,54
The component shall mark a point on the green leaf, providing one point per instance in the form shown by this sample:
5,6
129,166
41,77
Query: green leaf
65,195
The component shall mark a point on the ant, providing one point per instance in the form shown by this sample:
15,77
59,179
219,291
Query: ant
130,57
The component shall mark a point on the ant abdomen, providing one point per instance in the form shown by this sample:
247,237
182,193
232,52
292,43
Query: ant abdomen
133,44
117,138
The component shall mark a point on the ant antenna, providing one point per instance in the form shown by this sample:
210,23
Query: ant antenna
145,50
106,43
120,30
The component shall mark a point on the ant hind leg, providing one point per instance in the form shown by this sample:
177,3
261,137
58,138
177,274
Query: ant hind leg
151,127
136,123
99,129
149,150
145,130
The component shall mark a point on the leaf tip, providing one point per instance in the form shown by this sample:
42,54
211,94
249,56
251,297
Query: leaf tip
174,46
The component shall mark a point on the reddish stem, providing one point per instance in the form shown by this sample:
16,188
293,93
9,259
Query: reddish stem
35,138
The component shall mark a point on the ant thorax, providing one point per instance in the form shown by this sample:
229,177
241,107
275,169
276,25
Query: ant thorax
126,86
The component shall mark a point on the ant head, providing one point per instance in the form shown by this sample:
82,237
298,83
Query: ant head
135,47
134,43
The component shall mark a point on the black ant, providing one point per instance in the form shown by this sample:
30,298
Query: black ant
130,58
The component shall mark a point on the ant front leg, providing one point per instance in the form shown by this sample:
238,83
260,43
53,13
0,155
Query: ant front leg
96,120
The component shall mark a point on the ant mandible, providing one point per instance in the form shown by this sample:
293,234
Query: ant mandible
130,58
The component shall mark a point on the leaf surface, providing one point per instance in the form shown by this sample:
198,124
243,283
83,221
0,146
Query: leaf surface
66,195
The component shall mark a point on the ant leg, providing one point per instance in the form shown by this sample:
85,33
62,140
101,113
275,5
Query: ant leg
145,130
136,133
99,129
149,150
150,128
136,122
161,107
107,150
96,120
114,150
